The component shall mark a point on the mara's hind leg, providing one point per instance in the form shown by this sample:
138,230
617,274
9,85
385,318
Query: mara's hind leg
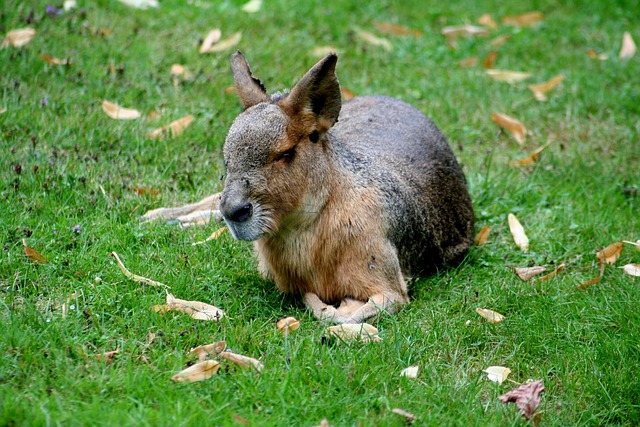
199,213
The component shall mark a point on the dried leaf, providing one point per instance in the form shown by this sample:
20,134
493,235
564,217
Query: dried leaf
244,361
500,40
508,76
469,62
526,397
593,281
540,90
135,277
212,38
532,158
409,417
3,110
141,191
108,356
525,20
517,231
611,253
514,126
373,40
526,273
482,236
410,372
33,255
490,315
636,244
252,6
354,332
198,372
150,338
396,30
497,374
196,309
628,48
225,44
161,308
322,51
490,59
288,324
214,236
20,37
115,112
141,4
595,55
487,21
458,31
53,60
555,272
175,128
632,269
347,94
203,351
178,70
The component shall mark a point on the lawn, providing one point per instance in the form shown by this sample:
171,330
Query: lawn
74,182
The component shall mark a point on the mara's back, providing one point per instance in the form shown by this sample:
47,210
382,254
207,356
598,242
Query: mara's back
392,146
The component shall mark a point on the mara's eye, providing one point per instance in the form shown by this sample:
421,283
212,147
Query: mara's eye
287,155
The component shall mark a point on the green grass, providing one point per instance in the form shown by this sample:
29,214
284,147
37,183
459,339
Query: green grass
64,163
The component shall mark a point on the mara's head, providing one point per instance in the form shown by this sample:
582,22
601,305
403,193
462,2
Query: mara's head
275,150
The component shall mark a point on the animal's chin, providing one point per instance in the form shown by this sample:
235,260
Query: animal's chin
244,231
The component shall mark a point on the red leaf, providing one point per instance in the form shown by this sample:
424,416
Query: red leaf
526,397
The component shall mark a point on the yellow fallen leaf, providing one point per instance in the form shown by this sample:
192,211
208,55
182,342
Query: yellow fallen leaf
525,20
408,416
225,44
468,62
540,90
347,94
135,277
555,272
116,112
108,356
497,374
244,361
593,281
396,30
203,351
177,69
482,236
517,231
175,128
19,37
33,255
632,269
532,158
526,273
198,372
212,38
487,21
288,324
53,60
490,59
490,315
513,126
215,235
373,40
354,332
500,40
457,31
611,253
322,51
628,48
196,309
508,76
410,372
252,6
161,308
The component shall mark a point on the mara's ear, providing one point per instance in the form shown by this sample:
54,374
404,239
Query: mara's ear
250,90
316,96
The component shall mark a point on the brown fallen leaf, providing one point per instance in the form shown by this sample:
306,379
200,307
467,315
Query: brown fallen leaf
363,332
497,374
526,273
468,62
33,255
487,21
540,90
175,128
135,277
396,30
531,159
288,324
19,37
244,361
196,309
198,372
482,236
214,236
593,281
632,269
53,60
628,48
500,40
611,253
410,372
458,31
252,6
108,356
204,351
526,397
555,272
490,315
373,40
490,59
408,416
212,38
595,55
116,112
513,126
508,76
347,94
517,231
225,44
525,20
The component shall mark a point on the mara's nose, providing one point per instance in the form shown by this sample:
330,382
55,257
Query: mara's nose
237,213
